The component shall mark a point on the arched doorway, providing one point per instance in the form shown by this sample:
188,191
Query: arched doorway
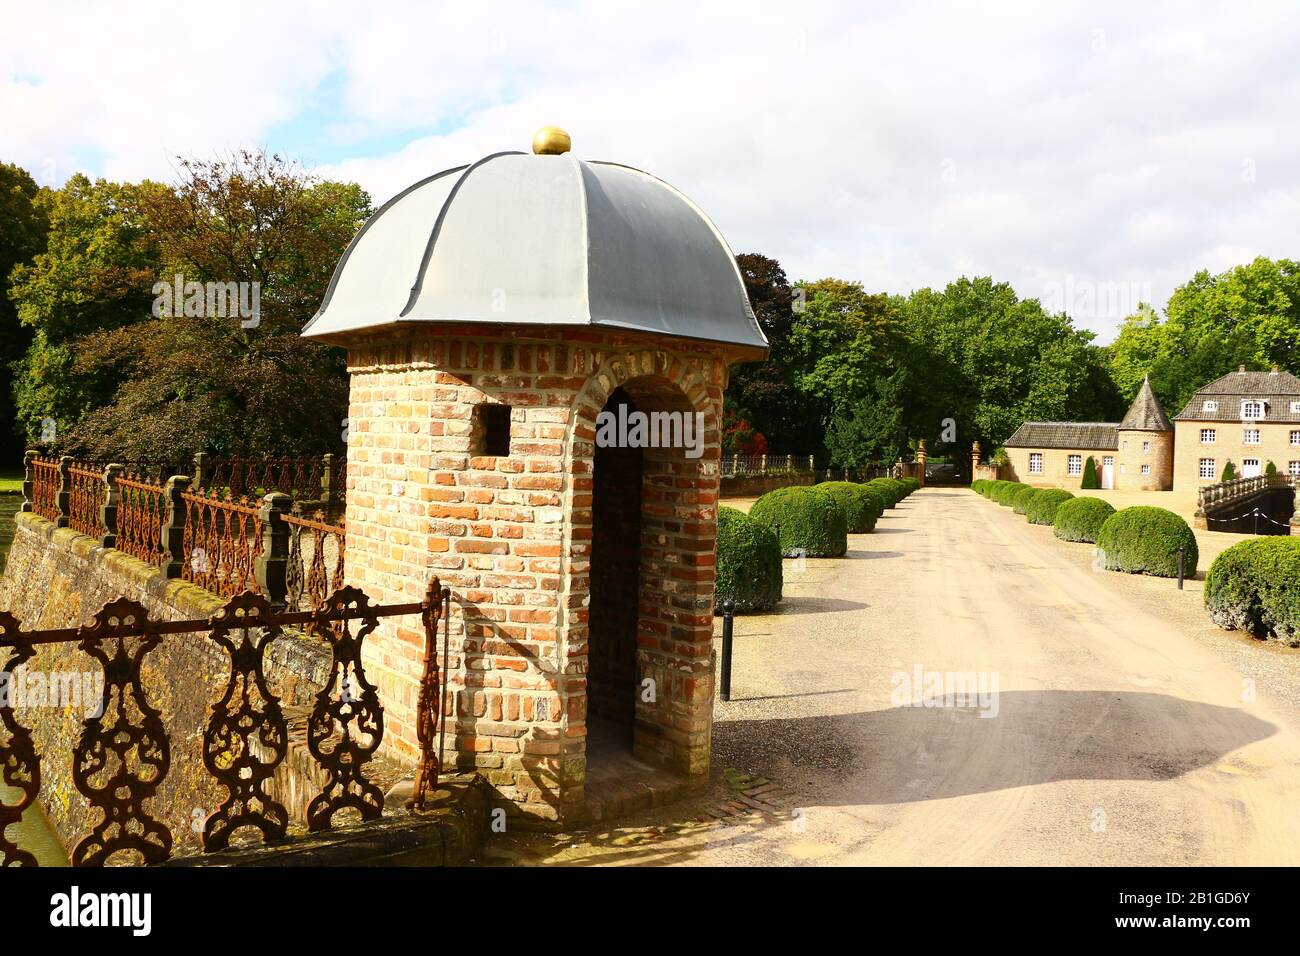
615,586
650,591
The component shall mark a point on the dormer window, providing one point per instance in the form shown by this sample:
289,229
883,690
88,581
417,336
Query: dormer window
1295,408
1210,407
1251,411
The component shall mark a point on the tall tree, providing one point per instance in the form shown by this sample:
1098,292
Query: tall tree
24,227
131,372
846,346
234,384
1248,315
100,260
761,396
987,360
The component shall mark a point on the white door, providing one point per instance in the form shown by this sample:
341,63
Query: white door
1250,468
1108,471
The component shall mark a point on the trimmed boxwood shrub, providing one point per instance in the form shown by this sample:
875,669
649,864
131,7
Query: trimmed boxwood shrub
913,484
810,522
892,490
861,505
1145,540
1042,509
977,485
994,489
1003,494
1254,586
1019,501
1090,482
1080,519
749,563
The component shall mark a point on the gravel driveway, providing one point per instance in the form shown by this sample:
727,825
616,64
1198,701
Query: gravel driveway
1125,728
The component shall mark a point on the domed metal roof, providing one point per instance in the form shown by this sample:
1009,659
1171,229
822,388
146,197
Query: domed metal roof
518,239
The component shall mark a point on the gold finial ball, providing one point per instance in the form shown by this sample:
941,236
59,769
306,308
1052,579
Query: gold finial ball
551,141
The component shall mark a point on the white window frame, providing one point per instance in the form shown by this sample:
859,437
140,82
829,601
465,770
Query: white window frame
1250,436
1146,448
1295,408
1146,469
1254,464
1250,406
1295,437
1207,465
1293,469
1035,462
1209,406
1074,465
1209,436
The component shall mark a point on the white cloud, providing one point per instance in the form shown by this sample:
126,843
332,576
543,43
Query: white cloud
1102,143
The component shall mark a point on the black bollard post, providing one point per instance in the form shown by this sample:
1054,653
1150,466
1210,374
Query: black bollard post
728,609
1182,553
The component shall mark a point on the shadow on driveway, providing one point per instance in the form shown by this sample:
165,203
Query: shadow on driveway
907,754
816,605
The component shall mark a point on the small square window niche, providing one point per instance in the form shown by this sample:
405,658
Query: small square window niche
491,434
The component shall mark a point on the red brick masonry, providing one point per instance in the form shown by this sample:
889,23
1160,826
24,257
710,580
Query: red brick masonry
512,537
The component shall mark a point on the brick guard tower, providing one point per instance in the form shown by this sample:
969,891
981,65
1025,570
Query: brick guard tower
490,313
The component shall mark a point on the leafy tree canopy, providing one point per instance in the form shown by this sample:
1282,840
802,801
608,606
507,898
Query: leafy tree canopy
124,376
24,225
1249,315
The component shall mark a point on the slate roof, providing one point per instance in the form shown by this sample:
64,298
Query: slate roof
1098,436
546,240
1277,389
1145,414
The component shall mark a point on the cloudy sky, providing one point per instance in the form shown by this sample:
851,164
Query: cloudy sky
1092,154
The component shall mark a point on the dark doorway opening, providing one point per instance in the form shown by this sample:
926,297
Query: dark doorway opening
614,610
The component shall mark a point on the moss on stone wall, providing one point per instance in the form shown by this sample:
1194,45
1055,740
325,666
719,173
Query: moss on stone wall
58,578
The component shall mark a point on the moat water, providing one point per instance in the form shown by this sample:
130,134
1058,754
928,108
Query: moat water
34,834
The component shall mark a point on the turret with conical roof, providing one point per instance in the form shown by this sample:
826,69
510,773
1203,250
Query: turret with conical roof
1146,444
1145,414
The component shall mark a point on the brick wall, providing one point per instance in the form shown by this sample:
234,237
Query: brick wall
513,536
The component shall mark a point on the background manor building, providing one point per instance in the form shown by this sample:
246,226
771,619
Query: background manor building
1134,454
1246,418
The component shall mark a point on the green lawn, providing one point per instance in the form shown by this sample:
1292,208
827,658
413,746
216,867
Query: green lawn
11,487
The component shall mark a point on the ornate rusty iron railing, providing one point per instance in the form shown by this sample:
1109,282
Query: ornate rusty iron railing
219,541
44,493
20,770
315,565
223,537
141,513
86,495
301,477
124,752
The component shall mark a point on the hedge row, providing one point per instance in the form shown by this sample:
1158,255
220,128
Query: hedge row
1140,540
749,562
1145,540
862,506
798,521
1080,519
1254,586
